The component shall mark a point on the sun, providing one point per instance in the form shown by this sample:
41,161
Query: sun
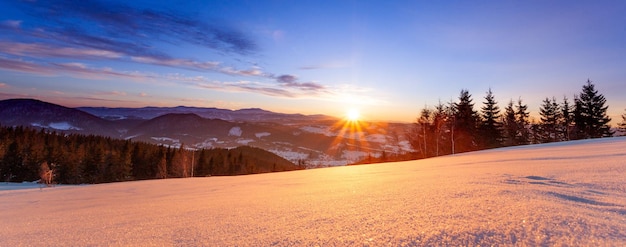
353,114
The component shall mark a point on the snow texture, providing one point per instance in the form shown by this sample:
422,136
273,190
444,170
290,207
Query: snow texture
380,138
235,131
244,141
292,156
317,130
353,156
262,134
131,137
58,126
565,194
165,139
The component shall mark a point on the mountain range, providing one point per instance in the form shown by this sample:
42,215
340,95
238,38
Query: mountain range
316,140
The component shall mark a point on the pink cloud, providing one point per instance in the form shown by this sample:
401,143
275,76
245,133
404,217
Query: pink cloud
79,70
44,50
254,71
51,51
287,85
174,62
24,66
118,93
83,71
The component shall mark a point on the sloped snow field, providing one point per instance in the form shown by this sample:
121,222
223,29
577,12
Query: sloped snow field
571,193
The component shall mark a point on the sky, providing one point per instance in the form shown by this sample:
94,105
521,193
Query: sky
386,59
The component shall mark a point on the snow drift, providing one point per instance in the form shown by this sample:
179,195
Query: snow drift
571,193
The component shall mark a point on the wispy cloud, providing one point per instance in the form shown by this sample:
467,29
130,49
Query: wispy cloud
288,88
83,71
79,70
111,93
120,32
24,66
66,37
43,50
291,81
134,27
99,98
38,50
178,63
286,79
254,71
284,86
237,86
307,86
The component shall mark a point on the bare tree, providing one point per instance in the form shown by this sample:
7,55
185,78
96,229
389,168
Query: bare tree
46,174
622,126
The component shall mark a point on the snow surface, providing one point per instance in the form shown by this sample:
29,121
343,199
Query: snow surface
570,194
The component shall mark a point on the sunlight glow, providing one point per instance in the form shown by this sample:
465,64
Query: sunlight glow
353,114
351,137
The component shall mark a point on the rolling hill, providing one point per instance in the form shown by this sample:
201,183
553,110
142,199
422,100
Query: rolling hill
39,114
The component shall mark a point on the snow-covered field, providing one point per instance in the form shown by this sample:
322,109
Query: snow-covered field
570,194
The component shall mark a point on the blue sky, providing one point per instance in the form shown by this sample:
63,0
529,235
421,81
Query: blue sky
387,58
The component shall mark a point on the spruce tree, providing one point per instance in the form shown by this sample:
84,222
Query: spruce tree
120,164
465,125
424,132
622,126
590,114
161,171
11,165
521,113
509,124
450,125
550,115
490,128
439,121
567,119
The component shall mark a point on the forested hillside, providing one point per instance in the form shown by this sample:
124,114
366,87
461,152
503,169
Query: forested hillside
26,153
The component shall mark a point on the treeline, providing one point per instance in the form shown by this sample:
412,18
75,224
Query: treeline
27,155
457,127
385,157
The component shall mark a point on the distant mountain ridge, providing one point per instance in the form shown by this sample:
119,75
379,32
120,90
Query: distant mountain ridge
248,114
